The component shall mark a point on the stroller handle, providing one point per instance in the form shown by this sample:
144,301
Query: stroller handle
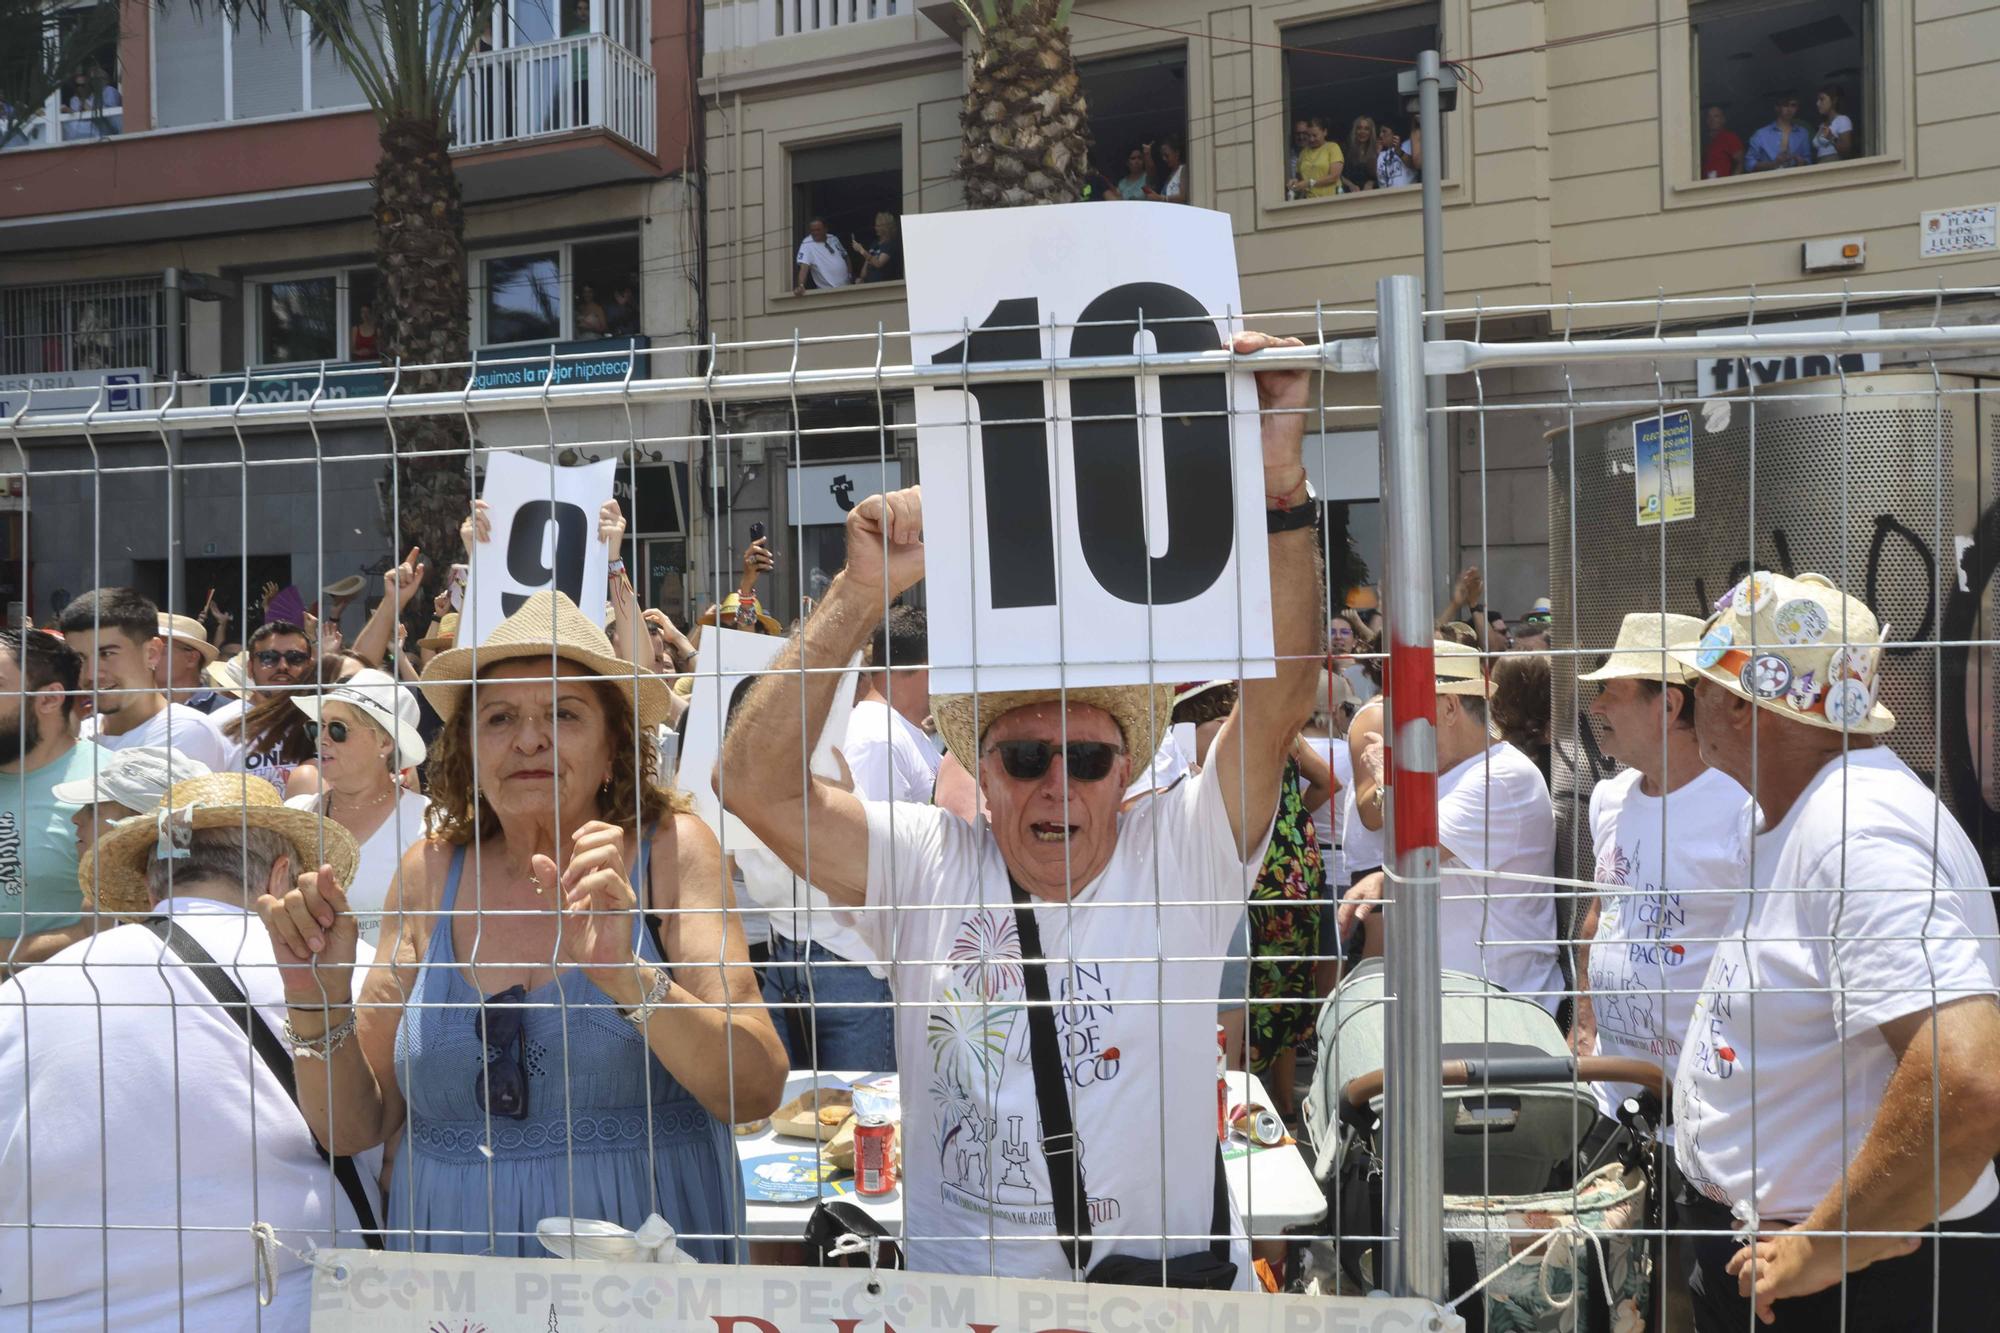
1524,1070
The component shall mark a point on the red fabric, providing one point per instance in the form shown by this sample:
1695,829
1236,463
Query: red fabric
1719,158
1413,675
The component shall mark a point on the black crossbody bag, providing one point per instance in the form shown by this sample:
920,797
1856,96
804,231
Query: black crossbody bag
271,1051
1201,1270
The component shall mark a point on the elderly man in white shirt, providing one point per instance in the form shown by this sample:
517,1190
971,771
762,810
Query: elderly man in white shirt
141,1137
1496,847
821,261
1056,869
1838,1096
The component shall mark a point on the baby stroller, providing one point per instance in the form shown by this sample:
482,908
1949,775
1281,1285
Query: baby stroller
1539,1203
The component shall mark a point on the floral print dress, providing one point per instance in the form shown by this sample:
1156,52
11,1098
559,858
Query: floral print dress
1284,930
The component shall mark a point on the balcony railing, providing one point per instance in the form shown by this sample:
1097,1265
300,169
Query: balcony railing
559,87
795,16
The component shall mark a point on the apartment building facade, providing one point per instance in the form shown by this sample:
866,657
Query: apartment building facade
236,163
1573,175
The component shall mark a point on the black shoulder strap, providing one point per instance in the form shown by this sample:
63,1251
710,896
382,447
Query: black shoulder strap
1059,1145
270,1050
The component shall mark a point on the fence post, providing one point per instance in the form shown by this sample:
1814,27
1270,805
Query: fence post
1413,1120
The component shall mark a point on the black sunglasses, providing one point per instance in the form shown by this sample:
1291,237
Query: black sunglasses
335,731
270,657
502,1086
1086,761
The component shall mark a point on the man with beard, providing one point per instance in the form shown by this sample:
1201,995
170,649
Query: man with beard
41,907
116,632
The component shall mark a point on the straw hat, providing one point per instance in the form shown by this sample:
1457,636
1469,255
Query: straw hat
186,629
444,633
1800,648
350,586
548,625
114,870
1144,714
724,616
1541,613
228,677
383,702
1458,669
1640,651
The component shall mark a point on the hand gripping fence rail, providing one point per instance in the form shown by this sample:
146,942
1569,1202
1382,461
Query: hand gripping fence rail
1868,455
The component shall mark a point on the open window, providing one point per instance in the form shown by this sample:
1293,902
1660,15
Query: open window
1754,58
327,315
558,292
1340,77
845,185
1135,101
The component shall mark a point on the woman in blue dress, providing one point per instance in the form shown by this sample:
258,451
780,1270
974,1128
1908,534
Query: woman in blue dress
538,1046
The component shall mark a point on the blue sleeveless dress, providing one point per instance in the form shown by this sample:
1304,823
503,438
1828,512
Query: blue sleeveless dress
630,1141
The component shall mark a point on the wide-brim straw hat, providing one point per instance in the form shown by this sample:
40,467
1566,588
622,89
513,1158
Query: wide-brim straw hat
228,677
1797,647
1641,651
1144,714
549,626
113,872
1458,669
186,629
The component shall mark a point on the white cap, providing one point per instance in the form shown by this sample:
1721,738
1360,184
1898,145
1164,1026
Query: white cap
386,704
137,778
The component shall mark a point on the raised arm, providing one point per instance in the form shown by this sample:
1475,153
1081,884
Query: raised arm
763,778
399,585
1249,753
1364,747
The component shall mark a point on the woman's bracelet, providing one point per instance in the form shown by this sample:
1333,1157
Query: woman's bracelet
653,999
323,1046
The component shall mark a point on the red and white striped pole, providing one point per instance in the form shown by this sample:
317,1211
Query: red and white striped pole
1413,1119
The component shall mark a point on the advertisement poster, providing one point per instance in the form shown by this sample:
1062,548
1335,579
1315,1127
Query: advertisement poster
1663,468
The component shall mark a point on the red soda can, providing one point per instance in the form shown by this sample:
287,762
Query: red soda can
874,1155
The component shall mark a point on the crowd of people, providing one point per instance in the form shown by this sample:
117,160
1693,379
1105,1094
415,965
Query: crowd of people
505,972
1375,154
1784,143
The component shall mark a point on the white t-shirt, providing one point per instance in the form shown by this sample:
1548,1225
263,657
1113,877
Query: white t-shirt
1361,846
798,911
1844,933
267,763
172,1147
1826,140
1326,820
193,734
940,910
889,755
1494,816
1392,169
1673,873
381,857
827,259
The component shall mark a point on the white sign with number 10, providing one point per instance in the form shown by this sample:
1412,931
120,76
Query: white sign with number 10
1088,531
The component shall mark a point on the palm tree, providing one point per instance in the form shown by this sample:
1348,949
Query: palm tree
409,57
1025,134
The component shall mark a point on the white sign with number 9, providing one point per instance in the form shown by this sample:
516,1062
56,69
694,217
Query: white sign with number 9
1086,531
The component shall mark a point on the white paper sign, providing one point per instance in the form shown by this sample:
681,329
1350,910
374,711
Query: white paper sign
1727,374
728,662
823,493
369,1291
1958,231
116,390
1100,551
544,536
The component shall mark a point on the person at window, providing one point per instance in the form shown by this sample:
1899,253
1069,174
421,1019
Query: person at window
1396,163
1722,155
1299,132
821,262
1357,169
1175,191
590,318
1781,144
361,339
621,317
599,890
1319,164
1138,179
1833,141
882,261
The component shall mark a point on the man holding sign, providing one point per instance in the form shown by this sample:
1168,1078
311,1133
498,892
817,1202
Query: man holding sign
1039,1103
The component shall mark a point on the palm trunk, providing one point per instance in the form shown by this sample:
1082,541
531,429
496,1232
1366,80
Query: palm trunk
420,253
1025,129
